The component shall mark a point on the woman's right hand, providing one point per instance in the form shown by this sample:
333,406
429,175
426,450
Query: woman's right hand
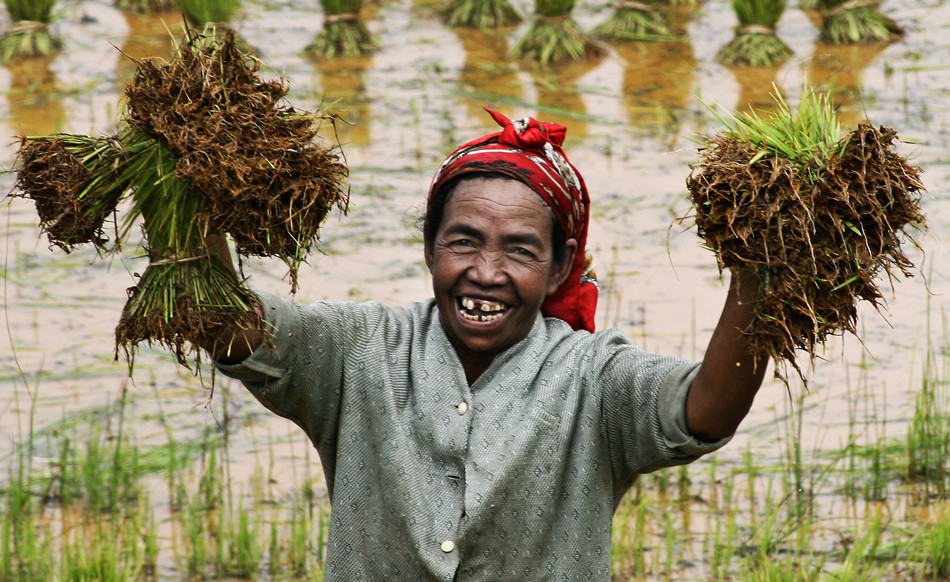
231,344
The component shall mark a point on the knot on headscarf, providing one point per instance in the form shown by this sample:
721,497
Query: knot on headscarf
528,133
529,151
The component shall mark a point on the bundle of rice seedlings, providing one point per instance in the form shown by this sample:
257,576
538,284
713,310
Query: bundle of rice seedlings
28,35
343,33
266,182
186,293
554,36
755,42
207,14
855,22
636,20
807,214
145,6
206,148
74,182
481,14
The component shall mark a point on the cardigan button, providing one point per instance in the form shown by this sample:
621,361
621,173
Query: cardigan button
447,546
463,407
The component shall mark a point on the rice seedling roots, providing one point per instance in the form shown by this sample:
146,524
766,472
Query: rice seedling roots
813,248
263,178
197,300
58,174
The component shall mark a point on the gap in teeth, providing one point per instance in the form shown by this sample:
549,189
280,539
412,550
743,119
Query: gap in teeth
469,303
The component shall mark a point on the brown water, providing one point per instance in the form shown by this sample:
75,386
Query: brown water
630,114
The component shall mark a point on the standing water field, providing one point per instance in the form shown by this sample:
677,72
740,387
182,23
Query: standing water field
114,468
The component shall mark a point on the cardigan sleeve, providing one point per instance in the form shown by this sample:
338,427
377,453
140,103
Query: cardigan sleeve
298,371
643,405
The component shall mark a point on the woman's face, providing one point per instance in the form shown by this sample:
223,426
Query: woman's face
492,265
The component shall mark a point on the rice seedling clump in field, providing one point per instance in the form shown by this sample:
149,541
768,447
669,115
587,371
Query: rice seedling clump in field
343,33
808,216
636,20
145,6
481,14
73,181
554,35
755,42
199,13
855,22
28,34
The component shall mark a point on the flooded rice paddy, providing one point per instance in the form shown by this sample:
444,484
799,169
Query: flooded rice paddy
631,116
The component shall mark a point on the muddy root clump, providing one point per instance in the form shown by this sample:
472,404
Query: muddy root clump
814,243
177,302
60,175
255,160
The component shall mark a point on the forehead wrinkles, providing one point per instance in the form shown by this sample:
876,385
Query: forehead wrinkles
519,211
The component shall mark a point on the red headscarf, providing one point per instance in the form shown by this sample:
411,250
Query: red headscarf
530,151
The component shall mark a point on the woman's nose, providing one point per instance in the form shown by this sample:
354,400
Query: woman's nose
488,268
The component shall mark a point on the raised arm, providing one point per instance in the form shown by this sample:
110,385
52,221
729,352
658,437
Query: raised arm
726,384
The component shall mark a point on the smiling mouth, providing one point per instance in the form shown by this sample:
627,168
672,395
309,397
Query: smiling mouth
480,310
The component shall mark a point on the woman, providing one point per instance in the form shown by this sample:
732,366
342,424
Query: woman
488,433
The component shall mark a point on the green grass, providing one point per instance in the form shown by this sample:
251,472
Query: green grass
806,137
109,504
201,12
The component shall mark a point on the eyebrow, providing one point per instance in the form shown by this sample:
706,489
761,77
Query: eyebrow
529,239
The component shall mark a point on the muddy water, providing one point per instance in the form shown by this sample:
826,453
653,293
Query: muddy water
630,114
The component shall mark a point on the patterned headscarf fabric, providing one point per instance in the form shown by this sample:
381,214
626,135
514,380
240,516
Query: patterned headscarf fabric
530,151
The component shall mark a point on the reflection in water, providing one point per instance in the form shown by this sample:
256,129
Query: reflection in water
487,68
145,6
558,98
36,106
757,88
658,84
838,69
150,35
343,81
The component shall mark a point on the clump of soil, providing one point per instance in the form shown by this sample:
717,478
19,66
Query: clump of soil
814,240
60,175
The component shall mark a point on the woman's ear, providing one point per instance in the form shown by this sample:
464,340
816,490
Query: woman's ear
562,270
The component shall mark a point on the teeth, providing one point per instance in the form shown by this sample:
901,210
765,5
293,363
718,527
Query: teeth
469,303
474,317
